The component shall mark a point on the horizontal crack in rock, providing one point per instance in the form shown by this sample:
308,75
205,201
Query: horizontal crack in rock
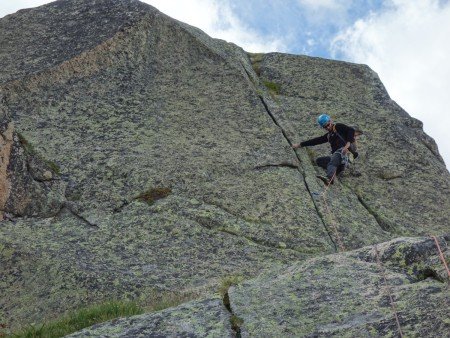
280,165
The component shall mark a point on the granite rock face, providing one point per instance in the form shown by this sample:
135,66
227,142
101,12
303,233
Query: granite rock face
346,295
34,189
392,177
206,318
339,295
139,155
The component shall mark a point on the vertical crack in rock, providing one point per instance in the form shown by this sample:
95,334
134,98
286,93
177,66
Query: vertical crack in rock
275,120
321,216
385,226
235,321
298,158
304,178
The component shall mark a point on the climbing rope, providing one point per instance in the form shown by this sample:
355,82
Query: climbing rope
381,268
380,265
332,221
441,255
391,300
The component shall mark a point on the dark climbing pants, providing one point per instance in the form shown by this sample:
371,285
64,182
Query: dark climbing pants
332,164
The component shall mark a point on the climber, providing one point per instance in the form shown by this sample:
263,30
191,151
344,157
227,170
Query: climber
342,140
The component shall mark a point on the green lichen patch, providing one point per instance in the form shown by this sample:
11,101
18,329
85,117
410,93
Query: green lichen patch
415,257
154,194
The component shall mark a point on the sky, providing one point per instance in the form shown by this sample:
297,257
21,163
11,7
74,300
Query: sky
405,41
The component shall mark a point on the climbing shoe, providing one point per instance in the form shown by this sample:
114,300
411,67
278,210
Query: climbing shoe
325,180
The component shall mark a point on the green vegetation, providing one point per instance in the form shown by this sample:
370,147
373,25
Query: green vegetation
154,194
256,59
54,167
82,318
274,88
236,323
229,281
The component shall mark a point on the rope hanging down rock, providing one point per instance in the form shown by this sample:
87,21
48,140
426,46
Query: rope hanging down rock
332,221
391,299
380,266
441,255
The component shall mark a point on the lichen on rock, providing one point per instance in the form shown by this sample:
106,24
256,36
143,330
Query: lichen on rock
139,155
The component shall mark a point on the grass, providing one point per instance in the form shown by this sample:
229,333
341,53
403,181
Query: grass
256,59
83,318
274,88
236,323
154,194
229,281
80,319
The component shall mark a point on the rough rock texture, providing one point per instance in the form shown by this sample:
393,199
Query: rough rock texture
345,295
132,254
36,39
207,318
400,178
34,189
139,155
340,295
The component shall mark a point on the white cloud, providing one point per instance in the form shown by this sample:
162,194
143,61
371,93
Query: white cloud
407,45
9,7
326,12
321,4
216,18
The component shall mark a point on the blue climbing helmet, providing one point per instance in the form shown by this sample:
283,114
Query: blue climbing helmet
323,120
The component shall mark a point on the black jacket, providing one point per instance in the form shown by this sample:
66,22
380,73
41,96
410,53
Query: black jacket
340,135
